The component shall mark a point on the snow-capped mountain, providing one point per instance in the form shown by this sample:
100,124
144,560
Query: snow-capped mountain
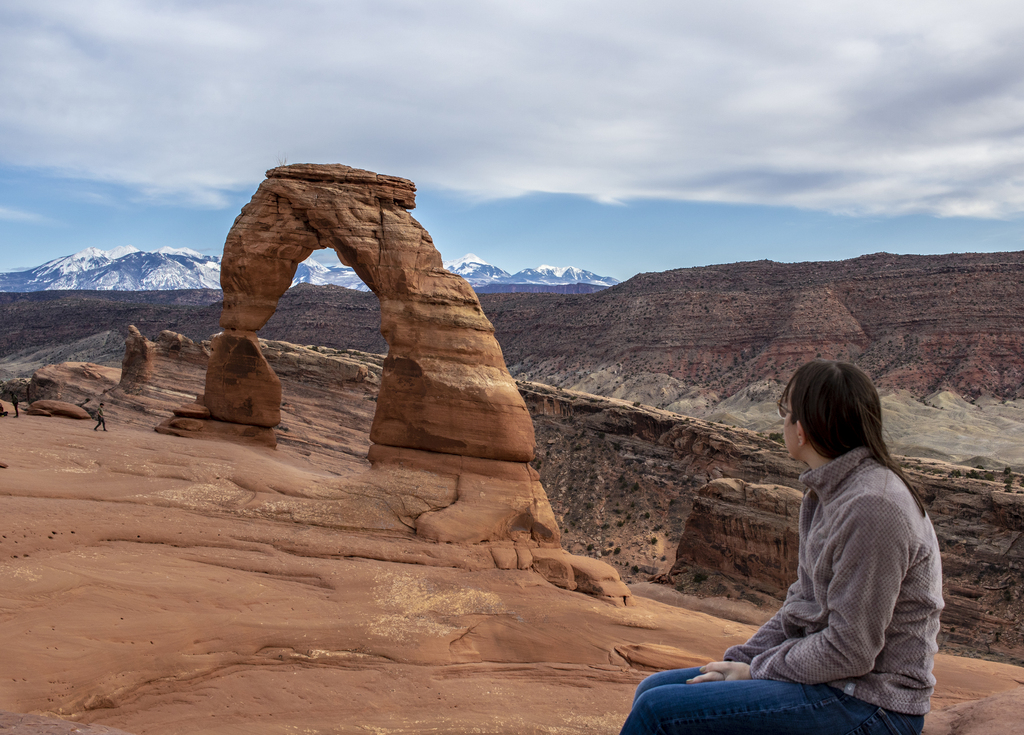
552,275
481,273
311,271
121,269
129,269
476,270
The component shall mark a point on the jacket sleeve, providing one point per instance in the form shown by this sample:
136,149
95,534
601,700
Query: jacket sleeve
767,636
869,561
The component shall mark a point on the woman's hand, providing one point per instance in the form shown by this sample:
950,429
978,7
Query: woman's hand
722,671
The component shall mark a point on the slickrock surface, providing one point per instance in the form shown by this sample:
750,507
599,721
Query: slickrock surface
159,584
167,585
1001,714
225,577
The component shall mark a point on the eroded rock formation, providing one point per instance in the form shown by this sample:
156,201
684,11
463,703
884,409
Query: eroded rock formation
451,434
57,408
744,530
445,386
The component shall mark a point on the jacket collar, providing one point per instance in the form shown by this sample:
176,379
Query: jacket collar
824,480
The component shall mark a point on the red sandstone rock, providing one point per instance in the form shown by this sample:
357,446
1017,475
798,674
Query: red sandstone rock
76,382
137,364
192,411
750,532
448,412
240,385
196,428
58,408
445,386
993,715
153,372
658,657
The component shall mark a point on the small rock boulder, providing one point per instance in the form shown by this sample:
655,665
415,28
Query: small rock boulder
58,408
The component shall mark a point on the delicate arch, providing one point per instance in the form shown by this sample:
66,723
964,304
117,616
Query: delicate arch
445,387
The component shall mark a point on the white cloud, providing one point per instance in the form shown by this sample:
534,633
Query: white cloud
865,107
17,215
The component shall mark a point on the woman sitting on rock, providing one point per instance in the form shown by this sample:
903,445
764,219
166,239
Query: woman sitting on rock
851,649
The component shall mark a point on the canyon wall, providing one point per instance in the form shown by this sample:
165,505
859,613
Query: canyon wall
922,323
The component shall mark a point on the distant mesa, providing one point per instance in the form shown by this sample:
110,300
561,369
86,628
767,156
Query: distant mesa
452,437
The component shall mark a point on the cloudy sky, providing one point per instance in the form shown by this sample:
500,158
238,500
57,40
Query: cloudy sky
616,137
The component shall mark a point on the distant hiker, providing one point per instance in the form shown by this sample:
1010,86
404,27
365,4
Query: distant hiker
2,411
99,419
852,648
14,400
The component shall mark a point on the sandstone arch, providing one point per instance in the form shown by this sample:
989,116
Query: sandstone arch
445,387
452,437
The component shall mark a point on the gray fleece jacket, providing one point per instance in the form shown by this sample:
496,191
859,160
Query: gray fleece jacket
863,614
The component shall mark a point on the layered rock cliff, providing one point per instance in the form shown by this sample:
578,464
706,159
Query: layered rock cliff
923,323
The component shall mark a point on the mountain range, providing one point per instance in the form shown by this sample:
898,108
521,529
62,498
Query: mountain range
121,269
128,269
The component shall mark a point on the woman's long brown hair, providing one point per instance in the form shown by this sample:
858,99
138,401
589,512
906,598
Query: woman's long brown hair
839,409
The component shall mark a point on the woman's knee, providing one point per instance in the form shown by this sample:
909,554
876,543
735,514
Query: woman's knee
665,678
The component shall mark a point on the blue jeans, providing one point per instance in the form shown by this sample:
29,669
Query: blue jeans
666,705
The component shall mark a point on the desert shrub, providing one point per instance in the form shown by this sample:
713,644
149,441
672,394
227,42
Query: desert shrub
699,578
